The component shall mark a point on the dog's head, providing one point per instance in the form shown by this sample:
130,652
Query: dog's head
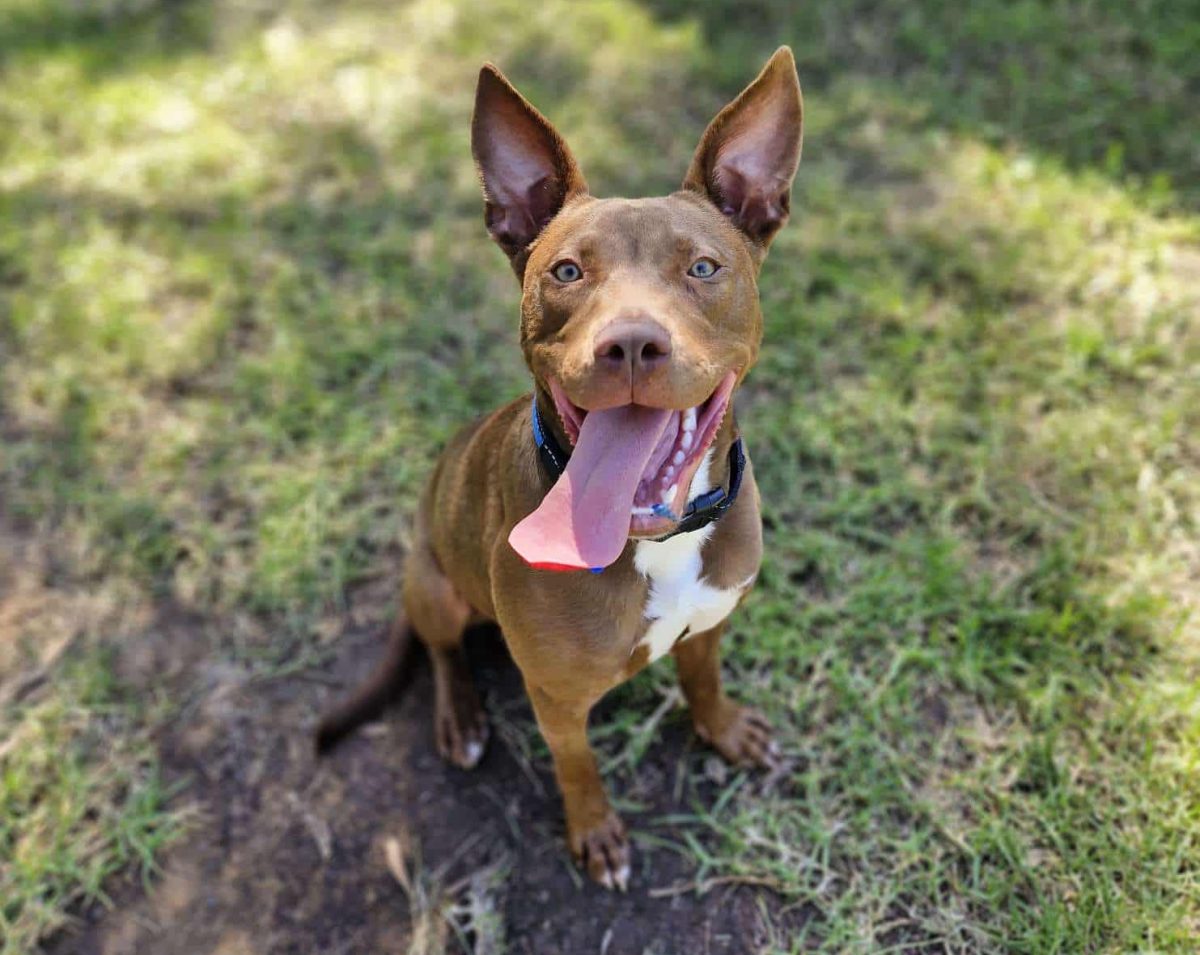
639,317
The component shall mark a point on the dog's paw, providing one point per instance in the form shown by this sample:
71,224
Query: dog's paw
603,850
462,737
742,735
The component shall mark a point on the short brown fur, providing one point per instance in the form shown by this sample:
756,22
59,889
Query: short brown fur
575,636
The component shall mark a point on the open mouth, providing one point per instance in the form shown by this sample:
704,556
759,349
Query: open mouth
662,492
629,475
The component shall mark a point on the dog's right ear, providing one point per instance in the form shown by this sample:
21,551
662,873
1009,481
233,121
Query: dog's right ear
748,156
525,167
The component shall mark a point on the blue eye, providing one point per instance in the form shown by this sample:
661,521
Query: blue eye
567,271
703,269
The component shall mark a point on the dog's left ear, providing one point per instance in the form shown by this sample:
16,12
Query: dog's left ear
748,156
526,169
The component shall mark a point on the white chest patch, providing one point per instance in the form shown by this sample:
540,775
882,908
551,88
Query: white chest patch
678,598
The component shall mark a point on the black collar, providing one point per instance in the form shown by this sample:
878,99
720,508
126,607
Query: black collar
700,512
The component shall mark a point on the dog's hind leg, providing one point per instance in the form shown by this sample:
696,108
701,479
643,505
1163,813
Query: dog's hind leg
439,617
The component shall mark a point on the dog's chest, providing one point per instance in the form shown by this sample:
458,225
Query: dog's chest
680,602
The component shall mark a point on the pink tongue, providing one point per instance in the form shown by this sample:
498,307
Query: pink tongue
583,522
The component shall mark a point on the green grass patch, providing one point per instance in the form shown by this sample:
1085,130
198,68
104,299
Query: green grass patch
80,800
246,293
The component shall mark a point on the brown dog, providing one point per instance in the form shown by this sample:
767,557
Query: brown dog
639,319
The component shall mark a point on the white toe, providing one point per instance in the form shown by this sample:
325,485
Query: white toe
473,751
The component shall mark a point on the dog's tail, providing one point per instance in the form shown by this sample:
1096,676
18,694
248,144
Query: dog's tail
368,701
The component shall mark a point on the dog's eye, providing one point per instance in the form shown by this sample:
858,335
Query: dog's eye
567,271
703,269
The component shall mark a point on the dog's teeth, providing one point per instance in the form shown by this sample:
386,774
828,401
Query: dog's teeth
669,493
678,459
689,420
687,441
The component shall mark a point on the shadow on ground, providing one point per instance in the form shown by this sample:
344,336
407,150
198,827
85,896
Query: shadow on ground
286,853
107,38
1085,82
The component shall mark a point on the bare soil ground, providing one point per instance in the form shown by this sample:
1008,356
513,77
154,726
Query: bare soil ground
286,853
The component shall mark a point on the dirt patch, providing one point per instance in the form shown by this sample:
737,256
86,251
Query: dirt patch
32,606
286,853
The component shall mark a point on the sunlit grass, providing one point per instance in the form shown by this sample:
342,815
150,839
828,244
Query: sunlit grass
247,293
80,800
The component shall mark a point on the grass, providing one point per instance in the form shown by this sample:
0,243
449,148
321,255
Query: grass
245,292
80,800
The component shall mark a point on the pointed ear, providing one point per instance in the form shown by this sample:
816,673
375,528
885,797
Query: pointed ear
748,156
525,167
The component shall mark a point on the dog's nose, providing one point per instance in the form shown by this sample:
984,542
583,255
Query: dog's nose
633,346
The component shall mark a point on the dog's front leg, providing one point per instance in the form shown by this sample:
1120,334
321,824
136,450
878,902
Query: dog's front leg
739,733
595,832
